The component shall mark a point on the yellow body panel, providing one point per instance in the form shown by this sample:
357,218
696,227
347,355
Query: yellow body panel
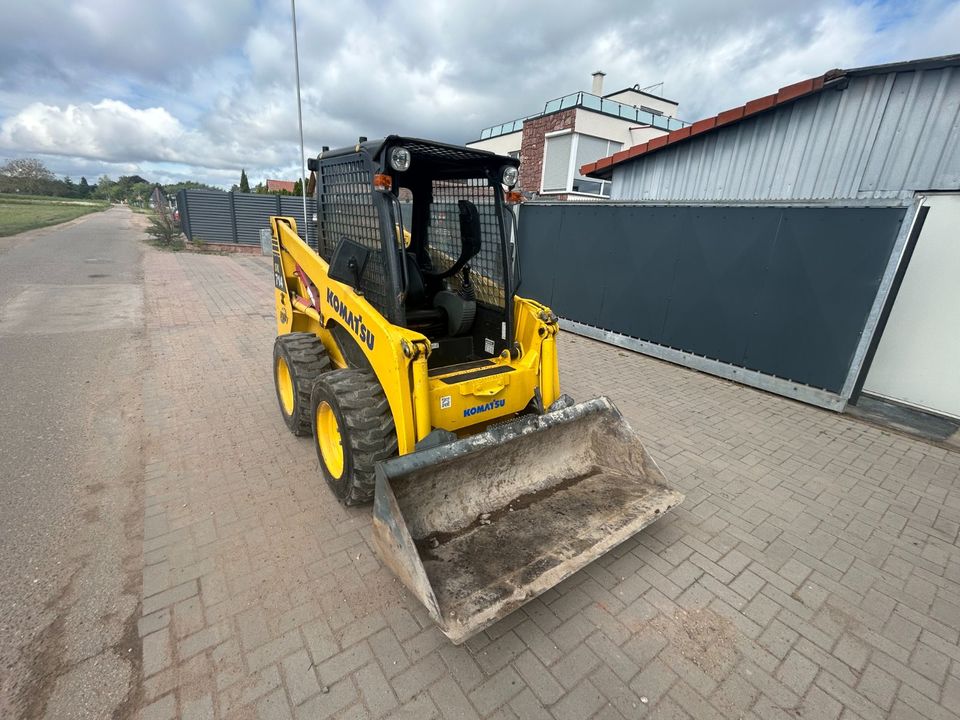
398,356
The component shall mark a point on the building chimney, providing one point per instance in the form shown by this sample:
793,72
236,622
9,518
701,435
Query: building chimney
597,88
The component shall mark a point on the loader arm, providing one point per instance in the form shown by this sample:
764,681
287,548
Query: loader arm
308,300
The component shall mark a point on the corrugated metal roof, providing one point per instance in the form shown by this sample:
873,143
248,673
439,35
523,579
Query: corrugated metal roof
884,136
603,168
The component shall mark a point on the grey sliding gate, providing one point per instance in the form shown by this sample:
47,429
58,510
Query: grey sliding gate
779,297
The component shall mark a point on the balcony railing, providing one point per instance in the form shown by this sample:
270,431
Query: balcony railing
596,103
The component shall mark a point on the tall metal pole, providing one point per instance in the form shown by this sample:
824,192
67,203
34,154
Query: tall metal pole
303,167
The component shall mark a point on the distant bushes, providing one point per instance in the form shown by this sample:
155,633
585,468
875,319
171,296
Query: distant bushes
165,231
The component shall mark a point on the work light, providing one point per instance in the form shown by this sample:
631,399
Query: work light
399,159
509,175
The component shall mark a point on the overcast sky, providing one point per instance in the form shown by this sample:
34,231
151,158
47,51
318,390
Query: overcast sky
199,89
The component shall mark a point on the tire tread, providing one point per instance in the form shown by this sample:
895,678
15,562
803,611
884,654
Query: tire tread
308,361
372,433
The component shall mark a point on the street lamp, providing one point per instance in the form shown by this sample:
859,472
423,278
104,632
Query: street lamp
303,170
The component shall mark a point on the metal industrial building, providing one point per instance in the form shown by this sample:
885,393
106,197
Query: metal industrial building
885,131
805,243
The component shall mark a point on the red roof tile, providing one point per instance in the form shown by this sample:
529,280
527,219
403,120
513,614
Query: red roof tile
797,89
703,125
276,185
729,116
657,142
764,103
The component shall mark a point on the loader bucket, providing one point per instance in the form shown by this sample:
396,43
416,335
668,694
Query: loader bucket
479,526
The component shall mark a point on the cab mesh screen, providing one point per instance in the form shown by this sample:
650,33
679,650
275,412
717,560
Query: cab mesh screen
347,210
444,239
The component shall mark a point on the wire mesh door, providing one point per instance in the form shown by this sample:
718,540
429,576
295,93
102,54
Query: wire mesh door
444,236
347,210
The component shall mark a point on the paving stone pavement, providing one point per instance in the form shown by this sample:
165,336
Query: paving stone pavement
813,571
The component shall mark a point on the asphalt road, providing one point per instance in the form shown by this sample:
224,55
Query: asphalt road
71,359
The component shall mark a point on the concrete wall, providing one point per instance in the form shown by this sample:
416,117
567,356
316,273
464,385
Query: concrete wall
604,126
502,144
632,97
917,362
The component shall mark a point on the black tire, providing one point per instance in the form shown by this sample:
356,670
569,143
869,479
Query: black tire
367,432
306,359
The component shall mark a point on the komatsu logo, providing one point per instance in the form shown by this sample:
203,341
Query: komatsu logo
492,405
352,321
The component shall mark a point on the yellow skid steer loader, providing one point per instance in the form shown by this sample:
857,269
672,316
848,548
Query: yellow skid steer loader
431,388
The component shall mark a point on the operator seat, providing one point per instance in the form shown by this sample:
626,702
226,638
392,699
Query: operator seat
445,313
422,316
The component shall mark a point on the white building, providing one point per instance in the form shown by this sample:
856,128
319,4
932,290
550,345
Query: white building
575,130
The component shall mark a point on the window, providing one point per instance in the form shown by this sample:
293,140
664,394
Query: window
564,155
590,149
556,163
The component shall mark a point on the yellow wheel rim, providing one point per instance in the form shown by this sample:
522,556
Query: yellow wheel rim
285,386
328,437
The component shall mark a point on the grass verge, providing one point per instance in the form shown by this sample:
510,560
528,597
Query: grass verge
21,213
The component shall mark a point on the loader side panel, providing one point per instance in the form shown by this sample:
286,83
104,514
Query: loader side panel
315,302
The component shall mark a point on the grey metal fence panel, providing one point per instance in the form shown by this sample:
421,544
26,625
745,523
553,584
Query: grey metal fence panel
783,291
252,214
184,214
214,216
209,216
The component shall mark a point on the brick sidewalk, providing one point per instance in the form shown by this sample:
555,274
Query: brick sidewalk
812,572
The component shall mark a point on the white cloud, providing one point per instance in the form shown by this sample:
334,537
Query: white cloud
204,89
108,130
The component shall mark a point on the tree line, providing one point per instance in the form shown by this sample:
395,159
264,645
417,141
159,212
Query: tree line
261,189
29,176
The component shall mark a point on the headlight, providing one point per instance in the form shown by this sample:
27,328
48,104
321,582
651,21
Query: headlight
399,159
509,176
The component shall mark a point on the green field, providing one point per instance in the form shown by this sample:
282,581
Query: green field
19,213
